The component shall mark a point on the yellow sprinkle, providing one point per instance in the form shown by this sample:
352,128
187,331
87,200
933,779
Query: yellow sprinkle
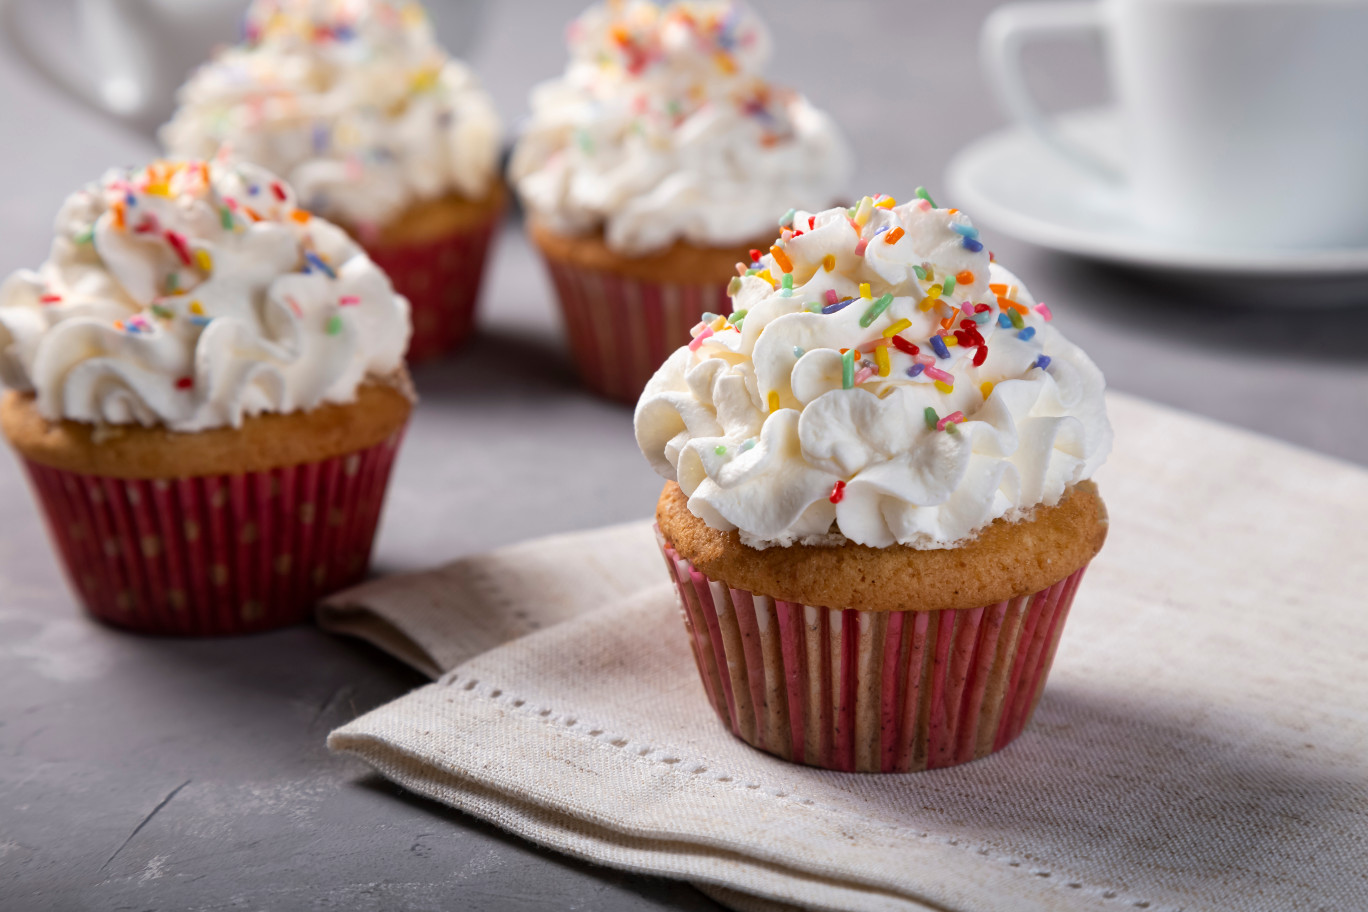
944,387
864,290
157,189
204,260
881,359
896,328
926,304
196,308
934,291
986,387
829,262
887,202
950,341
724,62
719,324
773,401
424,79
765,274
863,210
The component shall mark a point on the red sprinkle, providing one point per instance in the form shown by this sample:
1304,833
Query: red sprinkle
178,244
981,308
278,190
838,492
50,298
812,222
755,256
185,383
980,356
904,346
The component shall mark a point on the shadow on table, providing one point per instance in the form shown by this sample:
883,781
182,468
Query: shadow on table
501,366
1325,318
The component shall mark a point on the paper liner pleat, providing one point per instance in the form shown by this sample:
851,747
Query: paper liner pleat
622,329
220,554
870,691
441,279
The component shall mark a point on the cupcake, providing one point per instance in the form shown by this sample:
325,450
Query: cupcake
355,104
207,390
878,505
657,162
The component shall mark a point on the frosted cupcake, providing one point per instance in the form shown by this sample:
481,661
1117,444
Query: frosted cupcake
207,391
878,507
355,104
660,159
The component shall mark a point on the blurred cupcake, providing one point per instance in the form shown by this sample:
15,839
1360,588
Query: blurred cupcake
207,391
355,104
878,507
657,162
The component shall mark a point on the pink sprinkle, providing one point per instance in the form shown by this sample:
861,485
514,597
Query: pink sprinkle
864,374
831,296
860,247
926,360
698,339
924,205
348,300
294,306
967,308
955,417
1044,311
935,373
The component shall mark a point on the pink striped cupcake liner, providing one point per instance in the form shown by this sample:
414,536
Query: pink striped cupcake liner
622,329
216,555
441,279
870,691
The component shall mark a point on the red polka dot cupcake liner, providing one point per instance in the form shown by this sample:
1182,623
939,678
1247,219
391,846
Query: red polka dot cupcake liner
216,555
870,691
441,278
622,329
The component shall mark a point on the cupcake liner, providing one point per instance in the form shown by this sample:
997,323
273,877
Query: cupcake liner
441,278
215,555
622,329
870,691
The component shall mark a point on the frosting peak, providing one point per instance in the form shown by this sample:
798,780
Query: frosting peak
352,101
663,128
192,294
880,380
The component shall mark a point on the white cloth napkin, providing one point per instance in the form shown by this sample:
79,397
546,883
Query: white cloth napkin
1202,742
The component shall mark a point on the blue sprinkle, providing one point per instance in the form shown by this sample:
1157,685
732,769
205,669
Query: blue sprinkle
317,261
253,189
1042,362
200,321
968,231
130,198
939,345
1026,334
984,317
915,370
832,308
797,352
879,232
972,245
1004,321
748,444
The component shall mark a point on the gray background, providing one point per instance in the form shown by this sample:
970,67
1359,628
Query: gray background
147,774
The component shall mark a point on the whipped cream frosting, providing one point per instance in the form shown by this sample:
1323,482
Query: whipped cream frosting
191,295
881,381
662,128
352,101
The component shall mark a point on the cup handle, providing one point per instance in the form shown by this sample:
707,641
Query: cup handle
1005,32
109,42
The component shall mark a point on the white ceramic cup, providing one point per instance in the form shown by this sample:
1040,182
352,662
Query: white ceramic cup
1246,123
130,56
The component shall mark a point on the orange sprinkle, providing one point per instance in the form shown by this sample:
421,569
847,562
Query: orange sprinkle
965,278
829,262
893,236
997,288
1009,304
251,213
781,258
299,215
953,211
119,221
947,322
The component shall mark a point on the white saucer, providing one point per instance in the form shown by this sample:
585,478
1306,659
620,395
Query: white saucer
1010,182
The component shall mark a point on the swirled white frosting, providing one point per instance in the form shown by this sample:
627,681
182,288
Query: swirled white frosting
770,429
662,129
352,101
192,295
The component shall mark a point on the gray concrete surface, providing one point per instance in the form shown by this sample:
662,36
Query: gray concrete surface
151,774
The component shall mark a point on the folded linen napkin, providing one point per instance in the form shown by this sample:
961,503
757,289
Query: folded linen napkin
1200,744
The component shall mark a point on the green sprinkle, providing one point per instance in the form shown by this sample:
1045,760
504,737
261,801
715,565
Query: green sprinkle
787,281
951,428
334,325
172,281
921,192
814,307
798,351
851,211
720,449
1017,322
787,220
875,309
931,418
737,317
162,312
920,271
85,237
734,285
848,370
226,218
948,285
585,143
752,271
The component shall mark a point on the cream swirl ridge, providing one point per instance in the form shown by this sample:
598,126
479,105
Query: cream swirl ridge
881,381
192,295
663,128
352,101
